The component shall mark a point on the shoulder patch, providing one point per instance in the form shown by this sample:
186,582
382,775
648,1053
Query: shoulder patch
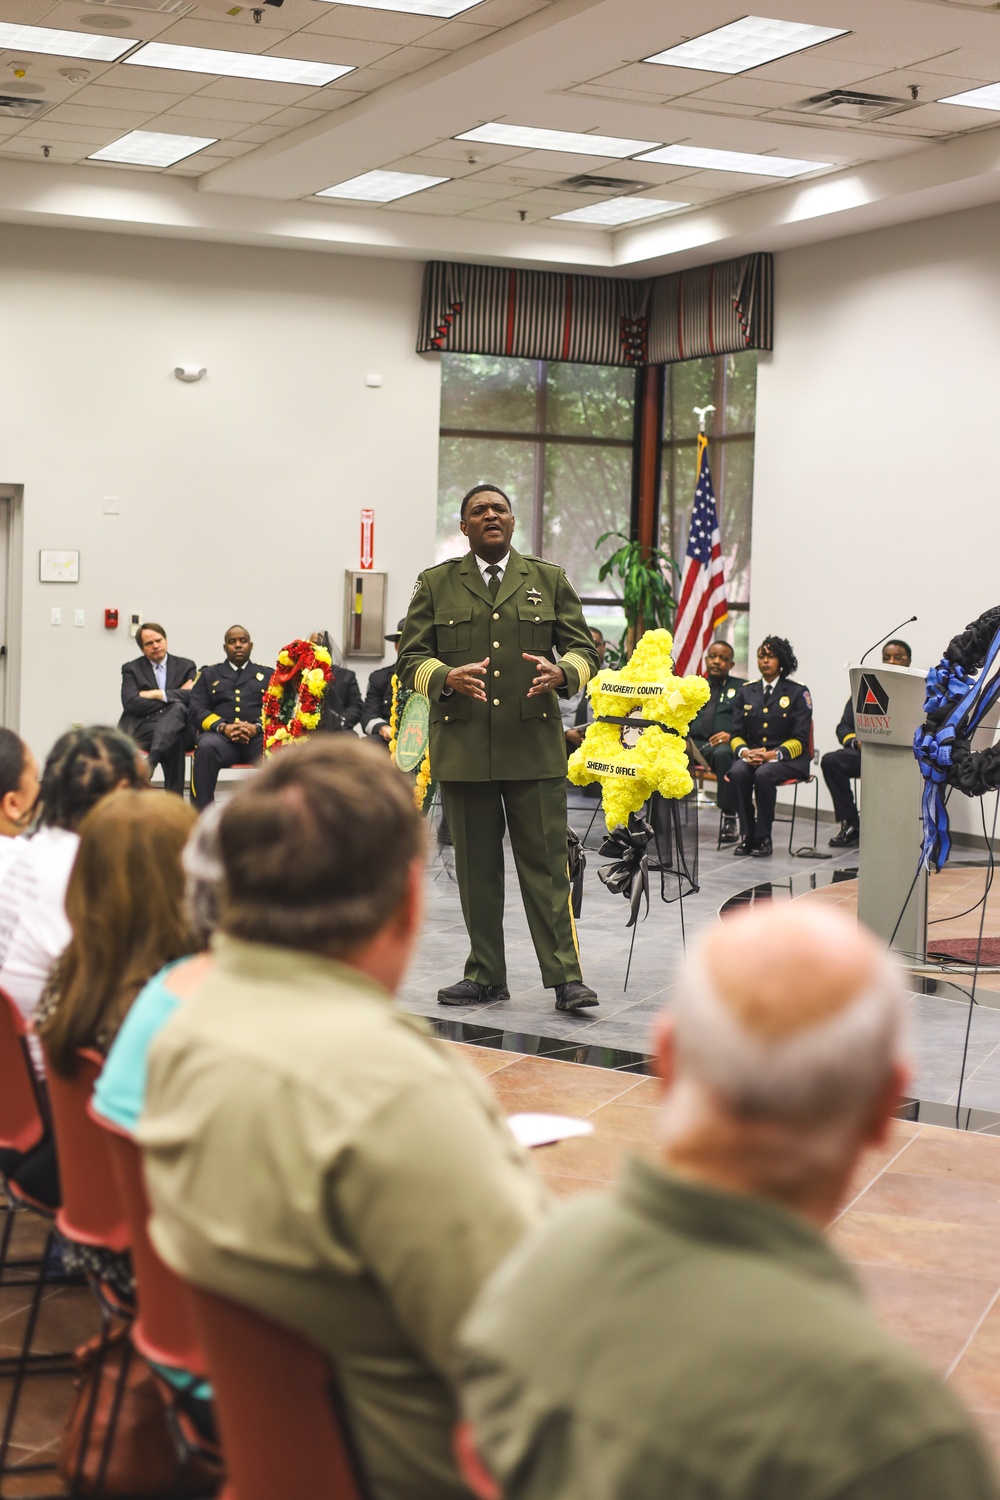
807,696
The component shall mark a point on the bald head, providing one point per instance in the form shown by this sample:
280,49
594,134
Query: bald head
790,1012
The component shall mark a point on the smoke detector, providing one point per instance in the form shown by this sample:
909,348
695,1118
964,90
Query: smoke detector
849,104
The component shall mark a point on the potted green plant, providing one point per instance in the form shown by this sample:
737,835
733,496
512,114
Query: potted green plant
644,574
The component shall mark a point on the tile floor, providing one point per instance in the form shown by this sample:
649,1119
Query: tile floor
625,1016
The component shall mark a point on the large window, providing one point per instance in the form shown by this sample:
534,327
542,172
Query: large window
729,383
557,438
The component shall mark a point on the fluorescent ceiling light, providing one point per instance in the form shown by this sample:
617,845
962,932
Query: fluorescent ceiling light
150,148
623,210
381,187
237,64
444,8
987,97
63,43
744,44
530,139
704,158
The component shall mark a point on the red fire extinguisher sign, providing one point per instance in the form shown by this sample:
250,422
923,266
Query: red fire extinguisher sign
367,539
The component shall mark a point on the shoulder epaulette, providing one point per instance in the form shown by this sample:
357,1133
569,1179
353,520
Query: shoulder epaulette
443,564
530,557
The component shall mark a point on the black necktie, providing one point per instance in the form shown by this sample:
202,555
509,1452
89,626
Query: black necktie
493,573
767,690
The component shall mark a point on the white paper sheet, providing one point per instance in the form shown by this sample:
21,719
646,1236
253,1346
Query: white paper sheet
543,1130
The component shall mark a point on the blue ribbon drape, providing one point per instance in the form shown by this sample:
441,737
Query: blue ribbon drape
967,700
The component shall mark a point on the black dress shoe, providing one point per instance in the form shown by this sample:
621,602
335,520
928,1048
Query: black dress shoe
762,849
729,832
744,847
468,992
848,838
575,996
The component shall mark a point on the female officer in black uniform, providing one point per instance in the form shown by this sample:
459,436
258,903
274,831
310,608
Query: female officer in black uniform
771,726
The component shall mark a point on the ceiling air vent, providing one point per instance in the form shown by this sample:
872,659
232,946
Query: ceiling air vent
159,7
23,109
587,182
848,104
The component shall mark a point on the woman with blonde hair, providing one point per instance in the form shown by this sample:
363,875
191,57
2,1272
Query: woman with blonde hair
125,905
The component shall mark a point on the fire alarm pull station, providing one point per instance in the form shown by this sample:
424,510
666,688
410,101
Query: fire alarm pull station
111,619
364,613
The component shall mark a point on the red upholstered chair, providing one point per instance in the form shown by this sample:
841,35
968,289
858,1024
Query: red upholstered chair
277,1407
163,1330
23,1126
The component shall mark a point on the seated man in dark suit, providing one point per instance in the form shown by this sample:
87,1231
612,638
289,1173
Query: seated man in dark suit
841,767
156,693
227,704
711,730
771,724
341,707
378,699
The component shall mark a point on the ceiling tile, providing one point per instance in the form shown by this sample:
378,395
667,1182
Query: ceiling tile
356,54
750,91
371,25
622,96
64,151
58,130
504,213
409,59
192,32
26,12
458,33
696,104
121,119
523,176
965,62
98,95
814,70
154,81
882,51
193,124
259,135
562,163
328,99
648,78
291,119
932,86
940,119
255,91
222,109
419,203
503,12
72,15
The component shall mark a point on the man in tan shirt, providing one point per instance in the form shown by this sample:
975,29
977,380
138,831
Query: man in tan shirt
310,1150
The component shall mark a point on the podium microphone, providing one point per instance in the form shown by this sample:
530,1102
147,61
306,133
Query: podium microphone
886,637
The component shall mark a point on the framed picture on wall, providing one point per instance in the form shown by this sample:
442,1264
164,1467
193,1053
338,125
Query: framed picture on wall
58,567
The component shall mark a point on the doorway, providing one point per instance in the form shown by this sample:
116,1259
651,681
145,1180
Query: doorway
10,604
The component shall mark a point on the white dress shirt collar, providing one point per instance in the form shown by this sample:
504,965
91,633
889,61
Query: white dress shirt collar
483,564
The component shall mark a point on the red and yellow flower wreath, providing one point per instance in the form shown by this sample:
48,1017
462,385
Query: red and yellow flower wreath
295,693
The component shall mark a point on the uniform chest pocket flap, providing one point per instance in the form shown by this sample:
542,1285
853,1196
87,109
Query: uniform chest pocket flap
453,628
535,622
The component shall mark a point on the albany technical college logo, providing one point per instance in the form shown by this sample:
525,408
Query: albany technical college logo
871,708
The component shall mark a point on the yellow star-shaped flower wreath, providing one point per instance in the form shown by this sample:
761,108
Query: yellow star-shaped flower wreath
645,686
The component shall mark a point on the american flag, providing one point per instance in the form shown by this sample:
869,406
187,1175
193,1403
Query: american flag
702,604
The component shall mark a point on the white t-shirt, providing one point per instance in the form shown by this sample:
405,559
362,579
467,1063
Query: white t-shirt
33,926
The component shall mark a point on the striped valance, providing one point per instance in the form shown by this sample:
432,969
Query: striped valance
597,320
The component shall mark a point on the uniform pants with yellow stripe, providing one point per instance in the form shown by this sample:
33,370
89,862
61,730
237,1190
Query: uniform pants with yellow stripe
535,814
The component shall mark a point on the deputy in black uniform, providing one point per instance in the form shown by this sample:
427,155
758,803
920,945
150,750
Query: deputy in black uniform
711,730
227,703
341,706
841,767
377,707
771,724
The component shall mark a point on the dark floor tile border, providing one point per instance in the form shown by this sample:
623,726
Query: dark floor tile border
618,1059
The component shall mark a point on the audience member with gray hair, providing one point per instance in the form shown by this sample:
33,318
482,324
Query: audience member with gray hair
695,1334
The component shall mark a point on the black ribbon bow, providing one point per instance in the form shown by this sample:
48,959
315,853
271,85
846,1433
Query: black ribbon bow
628,875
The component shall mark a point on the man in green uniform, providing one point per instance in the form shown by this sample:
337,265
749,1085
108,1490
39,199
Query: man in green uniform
712,728
478,641
695,1335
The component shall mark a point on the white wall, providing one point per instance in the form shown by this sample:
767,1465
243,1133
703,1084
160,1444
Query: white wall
878,448
240,496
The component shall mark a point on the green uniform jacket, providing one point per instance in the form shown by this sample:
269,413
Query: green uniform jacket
716,716
451,621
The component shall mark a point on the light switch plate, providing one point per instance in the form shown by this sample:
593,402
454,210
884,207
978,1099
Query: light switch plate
79,617
55,617
112,506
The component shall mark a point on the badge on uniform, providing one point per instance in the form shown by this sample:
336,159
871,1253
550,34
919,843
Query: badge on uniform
260,677
731,693
534,597
784,702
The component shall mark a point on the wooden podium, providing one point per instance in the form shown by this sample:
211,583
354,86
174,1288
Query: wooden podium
888,709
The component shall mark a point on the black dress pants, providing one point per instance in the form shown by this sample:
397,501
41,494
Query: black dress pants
720,759
840,767
164,736
760,784
214,753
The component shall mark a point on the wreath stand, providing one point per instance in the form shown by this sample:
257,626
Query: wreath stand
662,837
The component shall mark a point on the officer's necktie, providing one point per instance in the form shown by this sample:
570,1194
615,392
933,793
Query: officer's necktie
767,690
493,573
